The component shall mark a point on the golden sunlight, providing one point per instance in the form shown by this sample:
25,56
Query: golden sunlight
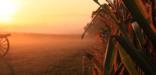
45,16
7,10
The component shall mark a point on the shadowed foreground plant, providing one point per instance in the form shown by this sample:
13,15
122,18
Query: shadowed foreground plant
127,30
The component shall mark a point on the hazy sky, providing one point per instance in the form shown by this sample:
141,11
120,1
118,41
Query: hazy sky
45,16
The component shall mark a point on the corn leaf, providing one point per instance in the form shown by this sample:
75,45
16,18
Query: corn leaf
108,11
96,1
109,57
128,62
154,12
138,34
136,56
119,69
139,14
89,25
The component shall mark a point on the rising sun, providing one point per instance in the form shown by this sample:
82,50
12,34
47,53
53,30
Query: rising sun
7,9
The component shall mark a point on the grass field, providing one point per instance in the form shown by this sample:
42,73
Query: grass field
37,54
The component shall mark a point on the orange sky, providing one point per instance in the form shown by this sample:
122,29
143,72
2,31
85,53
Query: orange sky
46,16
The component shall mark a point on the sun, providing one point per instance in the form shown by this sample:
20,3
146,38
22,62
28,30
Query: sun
7,9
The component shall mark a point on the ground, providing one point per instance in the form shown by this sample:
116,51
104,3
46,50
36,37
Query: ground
36,54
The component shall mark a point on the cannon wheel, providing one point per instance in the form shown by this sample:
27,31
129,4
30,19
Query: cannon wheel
4,46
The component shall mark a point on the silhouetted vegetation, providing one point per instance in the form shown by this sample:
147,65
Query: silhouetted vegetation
128,34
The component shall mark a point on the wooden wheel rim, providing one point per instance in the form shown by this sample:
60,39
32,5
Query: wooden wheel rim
4,46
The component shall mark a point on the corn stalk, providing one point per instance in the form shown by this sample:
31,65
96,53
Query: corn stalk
129,25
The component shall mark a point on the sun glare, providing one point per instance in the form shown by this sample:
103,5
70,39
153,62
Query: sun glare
7,10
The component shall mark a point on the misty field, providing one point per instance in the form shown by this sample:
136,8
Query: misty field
36,54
